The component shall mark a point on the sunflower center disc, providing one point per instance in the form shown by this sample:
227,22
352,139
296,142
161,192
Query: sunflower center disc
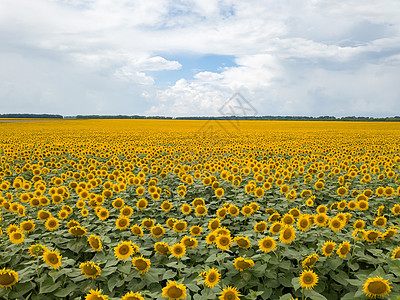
377,288
174,292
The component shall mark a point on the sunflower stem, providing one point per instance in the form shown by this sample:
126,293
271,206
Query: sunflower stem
302,294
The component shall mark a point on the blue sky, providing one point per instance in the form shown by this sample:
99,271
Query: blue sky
187,58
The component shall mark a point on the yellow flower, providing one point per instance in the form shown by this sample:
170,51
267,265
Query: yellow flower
287,234
166,206
223,242
372,236
37,250
125,249
328,248
27,226
242,264
137,230
157,231
52,223
17,237
174,291
77,231
132,296
178,250
179,226
8,278
260,227
95,242
189,242
343,249
212,277
267,244
95,295
214,224
195,230
201,210
376,287
186,209
396,253
161,248
52,258
141,264
310,261
242,242
122,223
230,293
90,269
308,279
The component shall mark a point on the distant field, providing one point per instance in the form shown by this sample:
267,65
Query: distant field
26,120
196,210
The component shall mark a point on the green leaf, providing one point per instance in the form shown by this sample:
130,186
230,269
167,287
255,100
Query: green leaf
48,285
66,291
296,283
112,282
315,296
169,274
21,289
193,287
125,268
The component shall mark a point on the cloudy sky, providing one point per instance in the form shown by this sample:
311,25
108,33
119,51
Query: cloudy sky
187,58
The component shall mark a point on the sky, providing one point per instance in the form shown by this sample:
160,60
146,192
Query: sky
189,58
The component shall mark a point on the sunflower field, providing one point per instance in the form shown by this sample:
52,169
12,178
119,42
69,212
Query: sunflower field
169,209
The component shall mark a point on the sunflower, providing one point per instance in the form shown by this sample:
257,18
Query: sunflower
242,264
223,242
310,261
198,201
376,287
233,210
189,242
372,236
328,248
27,226
180,226
157,231
174,291
380,221
161,248
37,250
260,227
336,224
166,206
148,223
141,264
242,242
343,249
95,242
195,230
287,234
214,224
126,211
17,237
103,214
52,258
308,279
178,250
247,210
212,277
342,191
78,231
8,278
221,213
170,222
125,249
396,209
363,205
267,244
72,223
274,217
275,227
132,296
201,210
219,192
95,295
230,293
137,230
396,253
186,208
90,269
122,223
141,203
303,223
211,238
43,215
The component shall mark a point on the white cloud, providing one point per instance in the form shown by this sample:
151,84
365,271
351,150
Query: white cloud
287,54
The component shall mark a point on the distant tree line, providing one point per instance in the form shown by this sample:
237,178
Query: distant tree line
264,118
31,116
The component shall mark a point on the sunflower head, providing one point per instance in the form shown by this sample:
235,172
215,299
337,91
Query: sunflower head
242,264
52,258
132,296
174,291
161,248
211,278
229,293
8,278
90,269
308,279
267,244
178,250
95,242
376,287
